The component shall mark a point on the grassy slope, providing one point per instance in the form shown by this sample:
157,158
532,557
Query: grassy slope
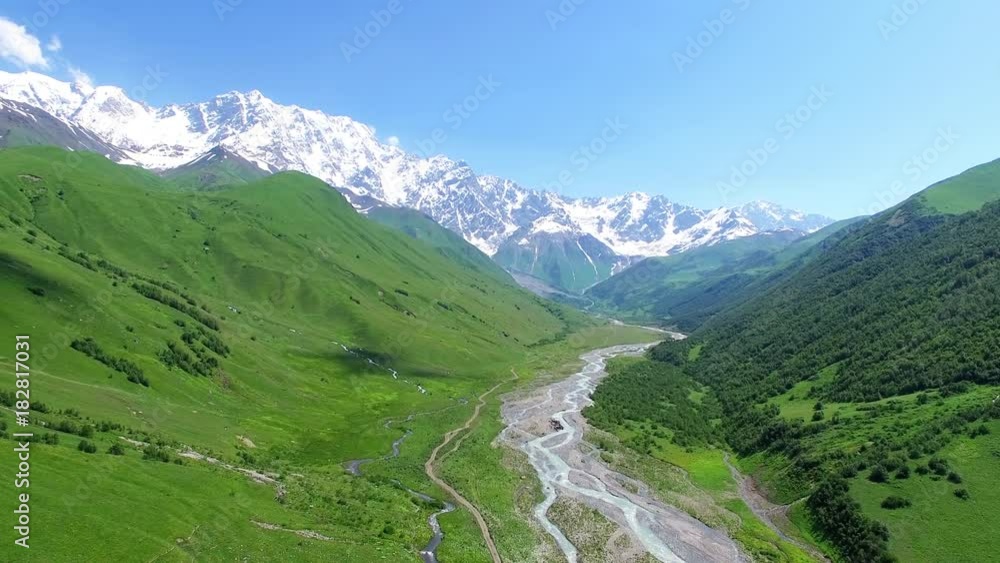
303,270
421,227
965,192
219,168
939,526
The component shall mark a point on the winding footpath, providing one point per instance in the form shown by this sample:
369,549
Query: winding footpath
429,553
766,511
548,426
432,473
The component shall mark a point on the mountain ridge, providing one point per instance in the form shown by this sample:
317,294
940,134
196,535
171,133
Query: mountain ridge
486,210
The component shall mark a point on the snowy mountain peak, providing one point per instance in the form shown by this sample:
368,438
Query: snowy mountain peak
486,210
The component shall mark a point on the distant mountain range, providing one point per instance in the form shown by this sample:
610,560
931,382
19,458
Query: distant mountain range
568,243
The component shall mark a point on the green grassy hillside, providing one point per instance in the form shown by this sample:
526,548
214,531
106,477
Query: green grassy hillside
968,191
451,245
865,384
217,322
217,168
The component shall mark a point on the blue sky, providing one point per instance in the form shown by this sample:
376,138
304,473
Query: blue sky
907,88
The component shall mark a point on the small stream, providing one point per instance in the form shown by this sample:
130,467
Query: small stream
429,553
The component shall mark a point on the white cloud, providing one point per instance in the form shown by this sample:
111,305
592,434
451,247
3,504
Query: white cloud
394,141
54,45
20,47
81,78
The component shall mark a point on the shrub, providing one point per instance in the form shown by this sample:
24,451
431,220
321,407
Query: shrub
139,379
938,466
116,449
955,478
39,291
878,475
87,446
981,430
89,347
962,494
903,473
895,503
848,472
840,521
153,453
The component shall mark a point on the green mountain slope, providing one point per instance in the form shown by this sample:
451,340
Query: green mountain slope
968,191
866,382
421,227
258,325
685,289
566,261
214,169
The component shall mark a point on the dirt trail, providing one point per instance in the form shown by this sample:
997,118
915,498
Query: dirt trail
429,553
432,473
766,511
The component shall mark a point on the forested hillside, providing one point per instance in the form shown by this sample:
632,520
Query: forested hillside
686,289
867,378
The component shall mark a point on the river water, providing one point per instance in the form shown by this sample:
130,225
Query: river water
560,459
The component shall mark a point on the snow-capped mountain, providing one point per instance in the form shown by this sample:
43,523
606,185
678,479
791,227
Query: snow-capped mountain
488,211
24,124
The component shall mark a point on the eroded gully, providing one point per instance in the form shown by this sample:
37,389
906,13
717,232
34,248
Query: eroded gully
565,469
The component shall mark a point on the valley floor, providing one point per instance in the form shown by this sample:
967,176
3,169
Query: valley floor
547,425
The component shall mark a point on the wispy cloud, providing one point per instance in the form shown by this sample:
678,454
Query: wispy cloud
393,140
19,47
54,45
81,78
